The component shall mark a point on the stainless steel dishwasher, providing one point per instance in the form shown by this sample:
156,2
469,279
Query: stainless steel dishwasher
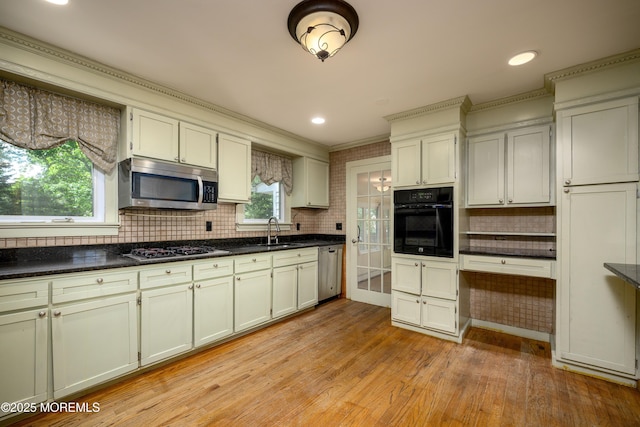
329,271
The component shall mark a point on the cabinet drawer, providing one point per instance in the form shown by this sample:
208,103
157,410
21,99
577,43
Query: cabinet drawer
252,263
19,294
97,284
216,267
295,256
168,274
509,265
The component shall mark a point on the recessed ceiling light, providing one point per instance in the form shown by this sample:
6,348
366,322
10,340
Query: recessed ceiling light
523,58
317,120
59,2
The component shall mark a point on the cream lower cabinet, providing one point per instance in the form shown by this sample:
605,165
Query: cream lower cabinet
212,300
425,294
307,284
94,327
285,290
24,337
596,311
166,312
252,291
295,280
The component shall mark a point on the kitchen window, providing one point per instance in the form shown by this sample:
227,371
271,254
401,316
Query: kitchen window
57,164
270,190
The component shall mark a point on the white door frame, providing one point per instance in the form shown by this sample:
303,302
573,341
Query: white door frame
382,162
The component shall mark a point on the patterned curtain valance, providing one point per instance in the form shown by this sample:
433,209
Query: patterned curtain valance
272,168
36,119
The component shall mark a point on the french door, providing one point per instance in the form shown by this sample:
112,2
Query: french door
369,247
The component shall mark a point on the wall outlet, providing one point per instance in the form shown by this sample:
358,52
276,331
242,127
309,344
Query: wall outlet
208,225
338,226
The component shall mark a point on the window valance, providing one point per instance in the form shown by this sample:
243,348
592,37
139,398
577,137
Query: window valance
272,168
37,119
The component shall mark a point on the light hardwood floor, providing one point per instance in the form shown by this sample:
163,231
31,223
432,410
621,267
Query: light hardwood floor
344,364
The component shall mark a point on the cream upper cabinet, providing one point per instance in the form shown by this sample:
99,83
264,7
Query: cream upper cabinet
596,311
234,171
164,138
510,169
154,135
198,146
600,142
426,161
310,183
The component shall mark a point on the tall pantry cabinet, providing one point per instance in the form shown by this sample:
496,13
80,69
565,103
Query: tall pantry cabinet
597,223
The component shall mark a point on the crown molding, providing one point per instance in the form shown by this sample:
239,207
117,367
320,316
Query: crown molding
462,102
360,143
589,67
49,51
522,97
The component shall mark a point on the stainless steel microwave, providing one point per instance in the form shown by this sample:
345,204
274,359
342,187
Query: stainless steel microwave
146,183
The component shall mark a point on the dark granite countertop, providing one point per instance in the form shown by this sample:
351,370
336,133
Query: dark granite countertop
30,262
511,252
630,273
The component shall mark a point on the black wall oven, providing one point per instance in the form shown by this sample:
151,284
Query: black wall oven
423,222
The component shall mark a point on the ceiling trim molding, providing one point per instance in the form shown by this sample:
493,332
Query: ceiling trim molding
47,50
589,67
462,102
360,143
522,97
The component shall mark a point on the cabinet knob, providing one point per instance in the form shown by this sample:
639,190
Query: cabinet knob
215,265
42,313
510,201
418,182
100,280
301,267
238,278
299,254
177,159
500,200
418,301
57,313
198,286
424,302
254,260
183,160
566,190
567,181
190,286
168,271
416,264
504,261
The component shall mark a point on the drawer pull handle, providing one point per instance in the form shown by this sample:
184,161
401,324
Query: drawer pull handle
42,313
504,261
168,271
57,313
100,280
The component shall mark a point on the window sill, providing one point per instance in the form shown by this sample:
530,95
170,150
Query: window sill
260,226
48,229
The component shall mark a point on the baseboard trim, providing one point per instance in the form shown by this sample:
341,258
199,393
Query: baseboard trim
512,330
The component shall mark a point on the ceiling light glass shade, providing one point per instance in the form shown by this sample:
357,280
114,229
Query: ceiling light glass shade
322,27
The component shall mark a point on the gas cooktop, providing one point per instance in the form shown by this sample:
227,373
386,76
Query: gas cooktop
179,252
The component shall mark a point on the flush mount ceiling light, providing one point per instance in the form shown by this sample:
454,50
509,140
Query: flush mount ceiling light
523,58
322,27
318,120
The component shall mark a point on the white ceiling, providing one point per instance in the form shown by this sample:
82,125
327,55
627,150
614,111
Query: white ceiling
238,54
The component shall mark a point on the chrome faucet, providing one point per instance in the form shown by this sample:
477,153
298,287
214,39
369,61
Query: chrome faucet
274,219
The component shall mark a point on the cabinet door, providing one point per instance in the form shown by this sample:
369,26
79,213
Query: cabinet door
318,183
528,166
439,314
600,143
405,308
440,279
166,322
198,146
234,169
252,299
405,163
212,310
597,310
93,342
438,159
154,135
285,290
406,275
307,285
485,178
23,359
